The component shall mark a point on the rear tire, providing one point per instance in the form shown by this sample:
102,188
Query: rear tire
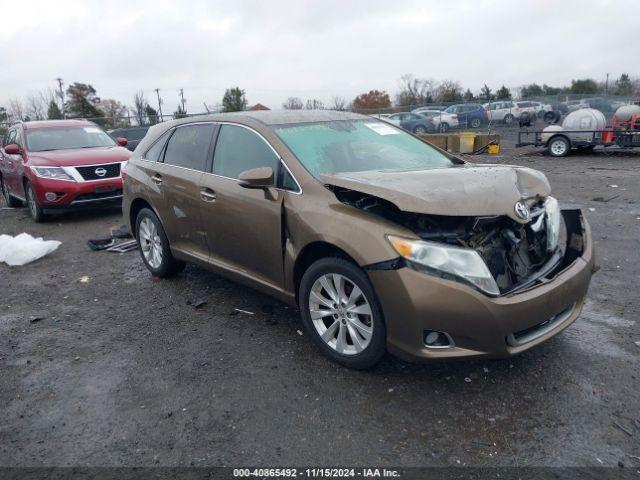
419,130
443,127
35,209
154,246
475,123
12,202
559,147
347,324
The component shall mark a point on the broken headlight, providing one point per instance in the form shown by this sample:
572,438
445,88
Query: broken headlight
462,263
55,173
552,219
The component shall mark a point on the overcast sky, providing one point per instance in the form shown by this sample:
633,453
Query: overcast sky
311,49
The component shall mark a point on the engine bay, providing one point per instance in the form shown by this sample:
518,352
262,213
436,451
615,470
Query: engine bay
514,252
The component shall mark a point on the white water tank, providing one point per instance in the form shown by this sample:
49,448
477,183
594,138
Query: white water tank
584,119
624,113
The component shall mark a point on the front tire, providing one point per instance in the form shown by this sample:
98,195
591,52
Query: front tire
508,119
12,202
559,147
443,127
35,209
154,246
341,314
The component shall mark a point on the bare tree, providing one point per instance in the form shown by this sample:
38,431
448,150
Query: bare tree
414,91
314,104
139,107
449,91
339,103
16,112
36,104
293,103
115,112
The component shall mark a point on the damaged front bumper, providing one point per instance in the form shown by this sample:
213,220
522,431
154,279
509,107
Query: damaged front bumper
478,325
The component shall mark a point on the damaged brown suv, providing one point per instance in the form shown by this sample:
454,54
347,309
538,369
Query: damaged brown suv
382,241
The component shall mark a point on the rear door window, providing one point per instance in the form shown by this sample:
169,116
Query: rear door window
189,146
239,149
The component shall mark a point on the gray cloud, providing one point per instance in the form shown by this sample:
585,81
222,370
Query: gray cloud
317,49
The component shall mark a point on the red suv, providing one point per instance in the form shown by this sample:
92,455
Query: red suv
60,165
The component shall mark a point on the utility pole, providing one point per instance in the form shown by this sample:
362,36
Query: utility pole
157,90
182,100
606,86
61,94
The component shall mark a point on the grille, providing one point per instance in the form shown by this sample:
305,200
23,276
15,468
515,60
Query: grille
112,170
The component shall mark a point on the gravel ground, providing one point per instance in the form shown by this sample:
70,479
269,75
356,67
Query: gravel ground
125,370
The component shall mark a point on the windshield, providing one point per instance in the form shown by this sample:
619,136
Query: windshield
63,138
356,146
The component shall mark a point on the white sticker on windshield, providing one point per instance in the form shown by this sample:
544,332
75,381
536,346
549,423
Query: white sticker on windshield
382,129
91,129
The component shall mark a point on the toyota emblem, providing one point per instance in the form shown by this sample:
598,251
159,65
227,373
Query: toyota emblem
522,211
100,172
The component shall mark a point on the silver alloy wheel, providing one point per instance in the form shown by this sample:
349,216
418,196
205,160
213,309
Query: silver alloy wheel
341,314
420,129
31,201
475,122
150,242
558,147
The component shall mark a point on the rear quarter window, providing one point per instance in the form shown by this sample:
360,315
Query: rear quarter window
189,146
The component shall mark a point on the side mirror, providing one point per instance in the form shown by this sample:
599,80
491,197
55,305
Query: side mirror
12,149
257,178
122,141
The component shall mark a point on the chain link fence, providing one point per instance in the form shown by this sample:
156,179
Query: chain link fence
495,113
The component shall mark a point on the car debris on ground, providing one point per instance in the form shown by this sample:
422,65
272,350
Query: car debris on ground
109,244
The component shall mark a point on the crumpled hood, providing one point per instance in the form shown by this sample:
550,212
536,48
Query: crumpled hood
465,190
80,156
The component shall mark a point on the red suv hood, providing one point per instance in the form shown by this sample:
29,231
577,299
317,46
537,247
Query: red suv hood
79,156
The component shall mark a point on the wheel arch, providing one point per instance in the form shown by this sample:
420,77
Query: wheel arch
559,135
137,205
312,252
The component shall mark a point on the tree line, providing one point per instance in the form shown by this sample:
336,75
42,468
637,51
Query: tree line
80,100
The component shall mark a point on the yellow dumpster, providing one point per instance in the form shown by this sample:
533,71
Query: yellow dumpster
466,142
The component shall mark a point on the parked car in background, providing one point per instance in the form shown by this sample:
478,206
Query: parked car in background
602,104
469,114
132,134
60,165
438,120
573,105
411,122
502,111
382,241
532,109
